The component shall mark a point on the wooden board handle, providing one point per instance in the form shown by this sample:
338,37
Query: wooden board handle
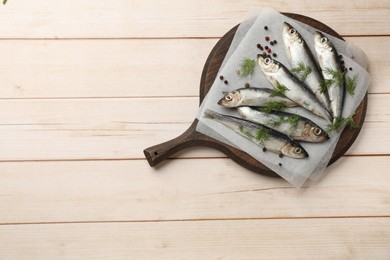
158,153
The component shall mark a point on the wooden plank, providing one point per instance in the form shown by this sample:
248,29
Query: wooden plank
117,68
241,239
69,129
69,19
40,192
95,68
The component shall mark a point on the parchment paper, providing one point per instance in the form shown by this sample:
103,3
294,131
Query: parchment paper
295,171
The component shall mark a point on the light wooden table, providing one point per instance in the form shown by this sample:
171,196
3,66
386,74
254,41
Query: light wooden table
86,85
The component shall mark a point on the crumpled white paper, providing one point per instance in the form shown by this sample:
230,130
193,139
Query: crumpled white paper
249,34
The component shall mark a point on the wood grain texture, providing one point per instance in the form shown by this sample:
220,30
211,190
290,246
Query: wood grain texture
245,239
83,80
96,19
117,68
89,191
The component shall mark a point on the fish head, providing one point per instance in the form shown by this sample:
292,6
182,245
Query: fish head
267,64
291,35
294,150
321,43
231,99
314,133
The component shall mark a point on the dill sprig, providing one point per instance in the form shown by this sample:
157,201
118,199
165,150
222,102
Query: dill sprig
4,2
245,132
338,77
350,84
278,90
274,106
247,67
273,123
325,85
262,136
292,120
303,71
340,123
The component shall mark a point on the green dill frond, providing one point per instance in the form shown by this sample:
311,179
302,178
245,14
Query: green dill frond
340,123
350,122
262,136
247,67
292,120
336,126
278,90
302,70
245,132
273,123
337,76
350,84
325,85
4,2
274,106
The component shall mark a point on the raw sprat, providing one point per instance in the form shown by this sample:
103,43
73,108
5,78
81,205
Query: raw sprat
258,97
261,135
295,126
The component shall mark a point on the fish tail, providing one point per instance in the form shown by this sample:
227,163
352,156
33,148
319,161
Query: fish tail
211,114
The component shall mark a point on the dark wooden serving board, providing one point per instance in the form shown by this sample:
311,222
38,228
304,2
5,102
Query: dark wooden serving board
191,137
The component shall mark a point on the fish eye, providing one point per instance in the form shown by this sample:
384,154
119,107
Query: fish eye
228,98
324,39
292,31
267,61
297,150
317,131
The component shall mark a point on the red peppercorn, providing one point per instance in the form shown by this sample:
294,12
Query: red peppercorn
267,38
269,50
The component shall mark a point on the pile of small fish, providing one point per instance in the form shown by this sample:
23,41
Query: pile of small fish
278,131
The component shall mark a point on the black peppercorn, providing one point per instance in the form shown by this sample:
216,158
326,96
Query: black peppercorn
247,85
280,164
281,155
266,47
226,82
221,77
272,43
265,27
275,42
264,149
274,55
350,68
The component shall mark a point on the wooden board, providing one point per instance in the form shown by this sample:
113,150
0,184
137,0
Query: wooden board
191,137
357,238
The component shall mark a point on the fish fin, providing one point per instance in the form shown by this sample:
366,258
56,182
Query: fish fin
272,80
320,61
